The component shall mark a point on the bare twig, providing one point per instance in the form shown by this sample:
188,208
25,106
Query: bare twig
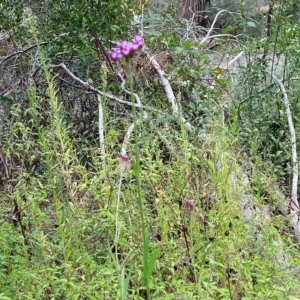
96,91
126,138
294,204
212,26
294,212
168,90
9,57
131,127
101,130
136,96
99,94
235,59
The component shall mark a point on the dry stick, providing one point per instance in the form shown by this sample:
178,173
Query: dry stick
126,139
10,56
189,24
101,130
99,94
212,26
168,90
93,89
235,59
294,213
294,200
101,125
110,96
136,96
131,127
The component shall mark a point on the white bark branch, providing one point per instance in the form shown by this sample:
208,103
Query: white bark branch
96,91
131,127
295,220
212,26
168,90
136,96
232,61
101,125
166,84
126,138
294,199
101,130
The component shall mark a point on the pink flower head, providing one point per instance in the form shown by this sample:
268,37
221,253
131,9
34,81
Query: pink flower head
190,204
126,49
115,54
125,162
139,41
125,158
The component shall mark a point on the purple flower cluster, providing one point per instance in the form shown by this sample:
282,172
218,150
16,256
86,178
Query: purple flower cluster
190,204
126,49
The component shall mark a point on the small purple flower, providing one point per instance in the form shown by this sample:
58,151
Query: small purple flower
125,162
126,49
115,55
190,204
139,41
125,157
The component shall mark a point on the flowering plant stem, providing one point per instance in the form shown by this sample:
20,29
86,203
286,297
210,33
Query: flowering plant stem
147,264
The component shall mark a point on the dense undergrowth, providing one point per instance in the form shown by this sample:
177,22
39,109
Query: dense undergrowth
71,215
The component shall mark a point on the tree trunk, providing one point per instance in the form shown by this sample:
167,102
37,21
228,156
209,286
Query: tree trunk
195,10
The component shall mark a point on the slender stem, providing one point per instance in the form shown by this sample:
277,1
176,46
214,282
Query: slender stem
117,233
138,180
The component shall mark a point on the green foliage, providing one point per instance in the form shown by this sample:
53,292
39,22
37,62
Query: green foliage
72,228
11,15
72,24
261,117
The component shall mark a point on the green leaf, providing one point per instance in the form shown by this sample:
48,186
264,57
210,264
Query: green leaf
7,100
179,50
151,263
230,29
251,24
187,45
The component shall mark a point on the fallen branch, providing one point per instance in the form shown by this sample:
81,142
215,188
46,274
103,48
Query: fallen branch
295,221
168,90
10,56
99,94
101,130
294,200
126,139
232,61
96,91
212,26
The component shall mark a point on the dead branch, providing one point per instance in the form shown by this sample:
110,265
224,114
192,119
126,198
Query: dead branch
294,204
101,130
168,90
